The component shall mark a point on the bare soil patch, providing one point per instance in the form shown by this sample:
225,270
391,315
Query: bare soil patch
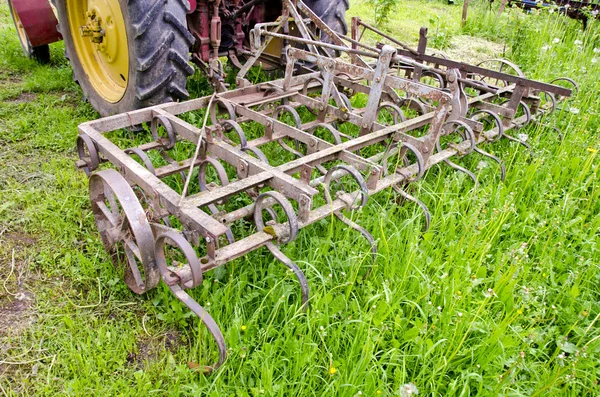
148,349
23,97
15,314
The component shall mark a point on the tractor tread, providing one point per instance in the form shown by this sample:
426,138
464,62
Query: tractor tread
145,23
166,64
145,93
181,28
181,62
153,57
177,91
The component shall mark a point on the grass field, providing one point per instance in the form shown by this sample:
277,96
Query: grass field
500,297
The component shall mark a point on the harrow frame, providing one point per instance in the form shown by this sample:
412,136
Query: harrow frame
132,204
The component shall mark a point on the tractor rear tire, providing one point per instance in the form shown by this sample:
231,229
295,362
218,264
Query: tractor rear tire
333,13
153,68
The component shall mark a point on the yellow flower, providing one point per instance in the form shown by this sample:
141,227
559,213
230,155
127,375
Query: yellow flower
592,150
458,293
332,370
520,311
378,392
244,327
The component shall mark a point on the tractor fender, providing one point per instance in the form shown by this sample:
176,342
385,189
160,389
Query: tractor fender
39,21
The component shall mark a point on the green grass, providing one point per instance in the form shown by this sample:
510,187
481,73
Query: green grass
500,297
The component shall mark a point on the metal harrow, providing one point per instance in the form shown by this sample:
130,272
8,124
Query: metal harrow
147,210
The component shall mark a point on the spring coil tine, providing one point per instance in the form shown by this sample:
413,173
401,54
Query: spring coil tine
512,138
85,142
570,81
307,83
497,121
462,169
162,120
277,253
331,129
496,159
287,209
257,152
170,160
150,167
293,232
415,105
353,172
527,114
363,232
233,125
145,159
176,285
467,133
209,323
297,124
437,76
222,174
287,108
226,105
420,161
415,200
552,107
397,113
346,102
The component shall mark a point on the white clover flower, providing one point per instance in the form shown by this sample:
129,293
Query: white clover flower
556,40
578,42
523,137
482,164
408,389
574,110
546,48
596,50
594,60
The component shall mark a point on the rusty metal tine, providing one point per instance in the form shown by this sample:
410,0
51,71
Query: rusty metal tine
551,127
208,321
462,169
362,231
496,159
512,138
277,253
415,200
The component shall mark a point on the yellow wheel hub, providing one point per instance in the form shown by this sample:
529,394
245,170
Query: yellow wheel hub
100,40
19,26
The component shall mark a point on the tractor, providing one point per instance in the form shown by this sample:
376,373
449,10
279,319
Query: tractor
131,54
